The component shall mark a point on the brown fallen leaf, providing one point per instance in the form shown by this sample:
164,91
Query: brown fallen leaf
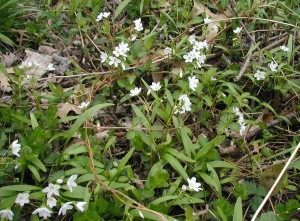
65,108
4,84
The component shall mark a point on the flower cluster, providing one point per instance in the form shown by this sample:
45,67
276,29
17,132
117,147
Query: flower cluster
193,185
51,191
196,55
102,15
184,104
241,120
120,54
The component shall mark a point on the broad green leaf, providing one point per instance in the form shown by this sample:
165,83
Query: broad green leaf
83,117
7,202
158,177
33,120
78,193
238,210
176,165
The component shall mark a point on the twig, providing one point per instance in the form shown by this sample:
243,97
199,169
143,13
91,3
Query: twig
276,182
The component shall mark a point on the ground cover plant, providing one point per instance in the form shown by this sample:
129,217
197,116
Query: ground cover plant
149,110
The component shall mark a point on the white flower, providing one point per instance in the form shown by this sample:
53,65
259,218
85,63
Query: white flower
141,215
200,60
168,51
22,198
241,120
121,50
43,212
273,65
183,187
59,181
238,30
133,37
103,56
260,75
83,105
188,57
284,48
192,39
50,67
51,202
138,25
193,185
135,91
180,73
80,206
114,61
193,81
26,64
184,104
198,45
216,28
16,148
71,182
102,15
155,86
51,189
6,214
64,208
207,20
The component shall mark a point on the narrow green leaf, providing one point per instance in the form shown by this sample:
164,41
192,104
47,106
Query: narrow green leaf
20,188
35,173
180,155
125,159
121,7
176,165
76,149
34,122
6,40
83,117
22,119
139,113
238,210
211,144
36,161
188,145
222,164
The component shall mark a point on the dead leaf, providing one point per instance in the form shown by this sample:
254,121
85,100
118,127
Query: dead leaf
9,59
4,85
65,108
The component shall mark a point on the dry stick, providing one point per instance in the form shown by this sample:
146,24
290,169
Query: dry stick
246,64
276,182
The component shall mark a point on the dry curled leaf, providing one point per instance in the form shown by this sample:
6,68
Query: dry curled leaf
65,108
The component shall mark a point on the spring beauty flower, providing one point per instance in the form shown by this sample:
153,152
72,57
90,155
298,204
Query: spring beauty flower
284,48
207,20
6,213
193,81
237,30
71,182
135,91
193,185
84,105
64,208
102,15
50,67
51,189
80,206
22,199
103,56
141,215
16,148
121,50
51,202
138,26
154,87
192,39
184,104
114,61
168,51
241,120
43,212
260,75
273,65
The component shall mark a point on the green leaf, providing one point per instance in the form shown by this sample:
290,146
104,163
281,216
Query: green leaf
187,142
36,161
140,114
19,188
121,7
78,193
83,117
125,159
6,40
180,155
176,165
222,164
207,147
22,119
238,210
76,149
35,173
157,177
33,120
